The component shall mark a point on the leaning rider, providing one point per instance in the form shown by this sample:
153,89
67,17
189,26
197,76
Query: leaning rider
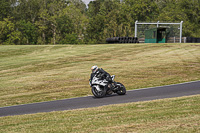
100,73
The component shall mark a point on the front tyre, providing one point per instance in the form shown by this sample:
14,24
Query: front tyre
98,94
121,89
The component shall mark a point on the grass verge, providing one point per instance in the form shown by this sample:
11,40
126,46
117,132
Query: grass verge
42,73
168,115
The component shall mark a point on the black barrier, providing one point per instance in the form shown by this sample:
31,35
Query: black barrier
113,40
122,40
198,40
193,40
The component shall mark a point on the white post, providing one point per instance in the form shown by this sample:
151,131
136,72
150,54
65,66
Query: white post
181,26
136,28
174,39
157,24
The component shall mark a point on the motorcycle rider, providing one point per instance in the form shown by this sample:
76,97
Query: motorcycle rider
100,73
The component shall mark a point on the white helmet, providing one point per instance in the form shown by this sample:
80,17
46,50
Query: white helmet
94,69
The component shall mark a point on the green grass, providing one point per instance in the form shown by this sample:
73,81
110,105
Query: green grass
49,72
175,115
41,73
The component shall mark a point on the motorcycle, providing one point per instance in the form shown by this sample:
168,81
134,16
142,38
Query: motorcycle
101,88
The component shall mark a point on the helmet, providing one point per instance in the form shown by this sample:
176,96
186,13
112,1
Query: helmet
94,69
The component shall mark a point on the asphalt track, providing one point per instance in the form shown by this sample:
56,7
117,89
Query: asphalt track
177,90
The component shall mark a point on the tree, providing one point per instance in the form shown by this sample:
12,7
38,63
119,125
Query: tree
95,29
78,19
4,9
103,20
184,10
8,33
142,10
61,18
94,7
27,10
69,21
191,10
29,31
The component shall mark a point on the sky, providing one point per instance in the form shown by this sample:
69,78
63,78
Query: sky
87,1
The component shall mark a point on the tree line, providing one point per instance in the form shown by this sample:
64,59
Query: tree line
73,22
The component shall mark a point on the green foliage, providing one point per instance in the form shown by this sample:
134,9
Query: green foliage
8,34
29,31
4,9
69,39
52,22
142,10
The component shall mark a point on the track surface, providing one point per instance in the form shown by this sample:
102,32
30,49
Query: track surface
184,89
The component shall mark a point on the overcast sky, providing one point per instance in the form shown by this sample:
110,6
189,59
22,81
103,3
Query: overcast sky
87,1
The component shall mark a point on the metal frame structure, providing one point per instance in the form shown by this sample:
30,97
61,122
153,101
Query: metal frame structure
158,23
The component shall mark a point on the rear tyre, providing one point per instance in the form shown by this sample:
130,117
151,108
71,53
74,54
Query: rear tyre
98,94
121,89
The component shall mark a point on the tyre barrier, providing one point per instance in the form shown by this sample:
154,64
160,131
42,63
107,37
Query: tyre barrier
192,40
122,40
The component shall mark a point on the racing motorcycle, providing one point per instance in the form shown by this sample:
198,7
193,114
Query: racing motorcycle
101,88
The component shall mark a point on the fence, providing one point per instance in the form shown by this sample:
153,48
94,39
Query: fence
176,40
169,40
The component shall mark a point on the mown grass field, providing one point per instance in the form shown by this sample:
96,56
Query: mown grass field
49,72
176,115
42,73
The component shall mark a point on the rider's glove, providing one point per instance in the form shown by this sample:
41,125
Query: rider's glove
108,78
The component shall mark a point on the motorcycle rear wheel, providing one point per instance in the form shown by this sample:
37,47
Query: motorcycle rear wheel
98,94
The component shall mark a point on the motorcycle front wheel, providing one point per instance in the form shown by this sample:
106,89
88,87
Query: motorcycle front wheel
121,89
98,94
